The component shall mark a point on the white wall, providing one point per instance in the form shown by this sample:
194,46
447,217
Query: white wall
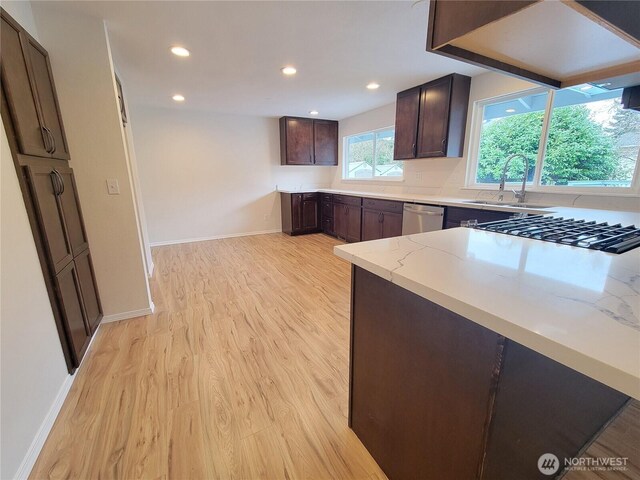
84,76
207,175
447,176
32,367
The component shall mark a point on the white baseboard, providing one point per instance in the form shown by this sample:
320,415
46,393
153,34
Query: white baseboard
126,315
30,458
215,237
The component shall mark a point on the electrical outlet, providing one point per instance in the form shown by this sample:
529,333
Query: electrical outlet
113,187
417,176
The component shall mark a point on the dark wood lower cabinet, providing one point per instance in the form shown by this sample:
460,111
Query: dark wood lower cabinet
347,218
89,289
300,213
70,302
455,215
381,219
59,218
436,396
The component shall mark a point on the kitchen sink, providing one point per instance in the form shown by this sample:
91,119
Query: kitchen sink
506,204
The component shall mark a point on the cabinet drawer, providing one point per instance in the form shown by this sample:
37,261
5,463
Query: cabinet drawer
327,197
309,196
327,210
327,226
347,200
383,205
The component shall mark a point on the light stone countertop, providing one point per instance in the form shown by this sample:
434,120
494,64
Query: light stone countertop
577,306
611,216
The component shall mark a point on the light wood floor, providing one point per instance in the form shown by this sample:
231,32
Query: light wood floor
242,372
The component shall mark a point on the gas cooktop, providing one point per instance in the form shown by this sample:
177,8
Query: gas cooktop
577,233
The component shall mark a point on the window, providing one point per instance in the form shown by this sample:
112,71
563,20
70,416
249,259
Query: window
369,155
575,139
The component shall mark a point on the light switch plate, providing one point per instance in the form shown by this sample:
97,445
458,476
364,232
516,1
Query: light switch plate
113,187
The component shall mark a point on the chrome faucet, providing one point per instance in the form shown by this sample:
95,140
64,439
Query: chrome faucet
522,193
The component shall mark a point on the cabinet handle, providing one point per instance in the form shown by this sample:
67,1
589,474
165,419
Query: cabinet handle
444,140
413,149
55,182
61,181
346,210
46,138
53,140
381,217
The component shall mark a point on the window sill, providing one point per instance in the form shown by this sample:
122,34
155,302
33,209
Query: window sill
372,180
553,191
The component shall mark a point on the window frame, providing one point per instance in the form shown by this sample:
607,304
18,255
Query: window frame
535,185
373,178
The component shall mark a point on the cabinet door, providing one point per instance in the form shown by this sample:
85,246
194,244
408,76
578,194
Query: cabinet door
50,110
340,220
298,143
309,209
72,213
434,118
371,224
407,109
354,224
45,188
391,224
89,290
32,139
70,300
296,212
325,142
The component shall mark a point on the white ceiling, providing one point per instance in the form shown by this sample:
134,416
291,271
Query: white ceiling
237,50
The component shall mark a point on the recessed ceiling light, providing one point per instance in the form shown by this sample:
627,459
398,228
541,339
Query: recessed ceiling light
586,87
373,86
178,98
313,112
606,84
510,110
288,70
180,51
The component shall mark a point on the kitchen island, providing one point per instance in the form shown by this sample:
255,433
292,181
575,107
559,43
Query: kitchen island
474,353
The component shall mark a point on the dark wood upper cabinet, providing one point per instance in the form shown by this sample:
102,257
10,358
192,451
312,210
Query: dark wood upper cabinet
31,94
497,34
325,142
31,136
431,119
433,124
308,141
46,94
296,141
406,134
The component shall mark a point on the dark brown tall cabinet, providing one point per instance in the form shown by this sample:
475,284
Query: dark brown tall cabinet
431,119
32,119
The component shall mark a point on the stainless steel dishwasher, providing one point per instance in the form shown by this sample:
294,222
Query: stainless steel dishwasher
421,218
